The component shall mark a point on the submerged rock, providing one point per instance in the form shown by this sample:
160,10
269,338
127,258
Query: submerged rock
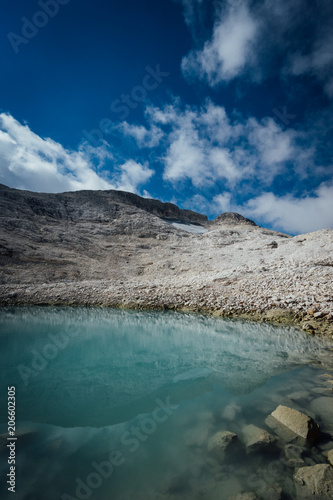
244,496
323,408
299,395
230,411
330,457
175,484
272,491
256,439
314,482
293,455
223,443
291,424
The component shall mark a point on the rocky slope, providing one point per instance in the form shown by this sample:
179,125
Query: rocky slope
116,248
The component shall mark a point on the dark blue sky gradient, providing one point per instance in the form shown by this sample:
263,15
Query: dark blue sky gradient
67,76
65,79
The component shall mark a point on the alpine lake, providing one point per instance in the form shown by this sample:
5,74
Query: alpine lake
126,405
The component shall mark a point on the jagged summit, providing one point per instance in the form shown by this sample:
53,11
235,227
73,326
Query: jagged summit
76,205
233,218
100,205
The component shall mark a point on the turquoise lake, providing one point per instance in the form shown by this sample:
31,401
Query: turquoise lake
120,405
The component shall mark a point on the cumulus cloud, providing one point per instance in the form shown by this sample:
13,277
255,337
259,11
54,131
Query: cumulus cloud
196,144
144,138
186,159
28,161
132,174
222,202
256,39
288,213
293,214
229,50
239,162
205,145
274,144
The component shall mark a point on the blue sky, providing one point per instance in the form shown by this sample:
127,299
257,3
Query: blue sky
217,106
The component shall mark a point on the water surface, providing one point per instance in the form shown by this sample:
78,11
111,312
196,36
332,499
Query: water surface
120,405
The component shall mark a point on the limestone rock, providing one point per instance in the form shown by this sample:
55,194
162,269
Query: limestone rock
330,457
272,491
323,408
244,496
233,218
256,439
324,391
298,395
314,482
230,411
297,423
223,443
293,455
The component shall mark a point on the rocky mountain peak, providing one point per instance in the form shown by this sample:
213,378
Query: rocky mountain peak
232,218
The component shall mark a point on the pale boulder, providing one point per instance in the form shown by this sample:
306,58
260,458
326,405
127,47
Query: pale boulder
314,482
295,424
223,443
256,439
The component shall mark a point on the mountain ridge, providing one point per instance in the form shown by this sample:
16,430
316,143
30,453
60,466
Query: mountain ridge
100,248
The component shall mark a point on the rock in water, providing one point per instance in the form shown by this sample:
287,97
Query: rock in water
223,443
256,439
244,496
330,457
293,455
298,424
323,408
315,482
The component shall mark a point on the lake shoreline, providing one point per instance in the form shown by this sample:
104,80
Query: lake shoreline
151,297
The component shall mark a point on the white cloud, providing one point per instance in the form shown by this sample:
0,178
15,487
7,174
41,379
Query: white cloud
318,61
194,13
257,39
223,202
243,157
28,161
294,215
229,50
133,174
186,159
288,213
224,165
198,203
205,145
197,139
274,144
145,138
